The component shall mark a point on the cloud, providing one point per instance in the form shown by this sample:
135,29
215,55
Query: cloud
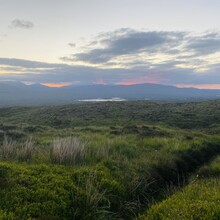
127,41
129,48
72,44
27,63
128,56
39,72
204,44
17,23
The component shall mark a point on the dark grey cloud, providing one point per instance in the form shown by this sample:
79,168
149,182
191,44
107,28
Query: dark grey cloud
127,41
72,45
205,44
150,56
17,23
27,63
55,73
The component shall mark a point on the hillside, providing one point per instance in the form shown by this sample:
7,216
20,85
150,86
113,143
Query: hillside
103,160
18,94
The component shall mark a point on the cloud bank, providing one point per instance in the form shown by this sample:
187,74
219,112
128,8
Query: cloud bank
128,56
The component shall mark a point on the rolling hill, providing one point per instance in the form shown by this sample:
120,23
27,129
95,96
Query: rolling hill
16,93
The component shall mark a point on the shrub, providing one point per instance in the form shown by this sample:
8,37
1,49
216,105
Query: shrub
4,170
6,216
38,192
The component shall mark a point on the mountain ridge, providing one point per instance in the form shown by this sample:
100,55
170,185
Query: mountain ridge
18,93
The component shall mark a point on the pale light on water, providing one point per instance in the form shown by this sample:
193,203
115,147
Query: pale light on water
103,100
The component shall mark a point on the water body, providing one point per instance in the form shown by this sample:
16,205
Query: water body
103,100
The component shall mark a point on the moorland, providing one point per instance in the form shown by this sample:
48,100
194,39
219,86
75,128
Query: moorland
111,160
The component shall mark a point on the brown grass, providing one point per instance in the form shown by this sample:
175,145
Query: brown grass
69,151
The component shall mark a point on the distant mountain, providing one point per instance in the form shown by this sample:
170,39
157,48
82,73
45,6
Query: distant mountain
16,93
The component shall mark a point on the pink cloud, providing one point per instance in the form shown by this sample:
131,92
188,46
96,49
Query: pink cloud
141,80
199,86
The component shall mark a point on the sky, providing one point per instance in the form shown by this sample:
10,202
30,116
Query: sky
80,42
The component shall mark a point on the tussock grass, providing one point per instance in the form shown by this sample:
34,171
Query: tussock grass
13,150
96,202
27,150
8,149
69,151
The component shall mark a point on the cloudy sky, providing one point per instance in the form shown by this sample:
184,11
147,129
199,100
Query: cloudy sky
57,43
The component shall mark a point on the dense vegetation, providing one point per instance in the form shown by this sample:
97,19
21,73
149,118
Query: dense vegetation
106,160
199,200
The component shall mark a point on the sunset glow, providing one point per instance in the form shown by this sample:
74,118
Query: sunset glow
135,82
56,85
149,45
199,86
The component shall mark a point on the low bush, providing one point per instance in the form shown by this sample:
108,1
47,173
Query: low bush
6,216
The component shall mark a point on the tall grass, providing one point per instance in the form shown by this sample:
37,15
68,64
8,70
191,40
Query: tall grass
96,202
26,150
12,150
8,149
69,151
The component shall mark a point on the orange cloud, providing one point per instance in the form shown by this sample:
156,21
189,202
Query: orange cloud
56,85
199,86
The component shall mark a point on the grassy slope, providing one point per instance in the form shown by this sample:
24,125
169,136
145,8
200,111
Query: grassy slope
133,151
199,200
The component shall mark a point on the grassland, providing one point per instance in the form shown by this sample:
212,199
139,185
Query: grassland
106,160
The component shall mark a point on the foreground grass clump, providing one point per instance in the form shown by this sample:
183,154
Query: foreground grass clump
13,150
199,200
67,151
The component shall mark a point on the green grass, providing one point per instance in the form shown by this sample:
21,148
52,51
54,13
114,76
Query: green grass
102,161
110,185
199,200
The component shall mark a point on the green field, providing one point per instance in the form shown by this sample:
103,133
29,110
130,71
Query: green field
110,161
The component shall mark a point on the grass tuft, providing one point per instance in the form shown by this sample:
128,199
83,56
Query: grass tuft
68,151
8,149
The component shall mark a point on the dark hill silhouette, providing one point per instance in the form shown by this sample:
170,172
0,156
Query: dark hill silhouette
16,93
